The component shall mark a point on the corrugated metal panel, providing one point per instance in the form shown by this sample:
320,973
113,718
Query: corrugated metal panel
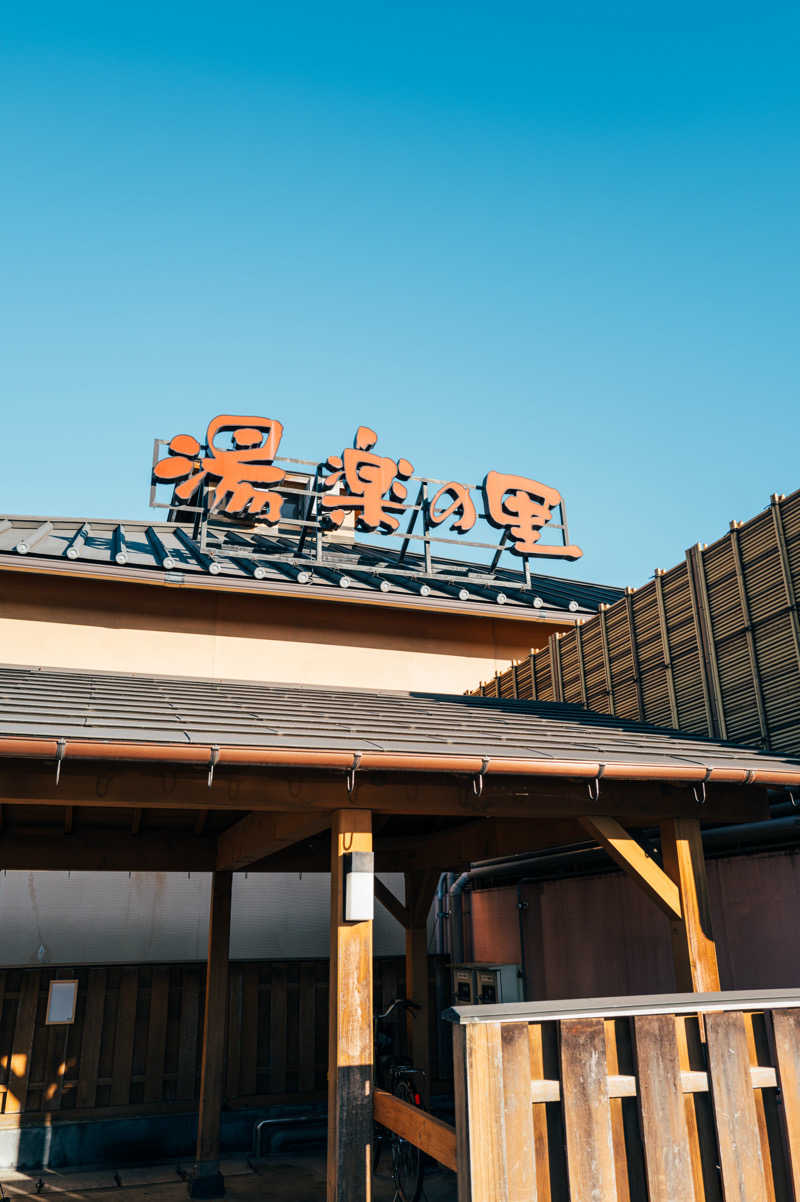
711,646
39,702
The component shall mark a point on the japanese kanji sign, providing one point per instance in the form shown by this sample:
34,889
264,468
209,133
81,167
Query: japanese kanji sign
242,481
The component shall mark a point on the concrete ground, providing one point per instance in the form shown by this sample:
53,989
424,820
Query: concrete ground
279,1178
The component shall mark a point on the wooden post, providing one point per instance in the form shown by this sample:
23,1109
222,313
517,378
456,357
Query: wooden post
350,1029
420,887
206,1180
693,948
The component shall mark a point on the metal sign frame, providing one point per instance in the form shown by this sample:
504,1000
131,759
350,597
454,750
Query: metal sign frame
316,547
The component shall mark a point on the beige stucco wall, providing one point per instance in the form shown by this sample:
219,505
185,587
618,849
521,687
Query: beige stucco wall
68,623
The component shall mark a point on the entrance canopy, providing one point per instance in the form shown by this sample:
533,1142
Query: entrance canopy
241,772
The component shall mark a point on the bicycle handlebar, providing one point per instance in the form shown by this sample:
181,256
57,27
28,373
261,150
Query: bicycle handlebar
402,1003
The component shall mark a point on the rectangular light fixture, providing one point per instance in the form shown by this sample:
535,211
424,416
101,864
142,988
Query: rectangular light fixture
359,886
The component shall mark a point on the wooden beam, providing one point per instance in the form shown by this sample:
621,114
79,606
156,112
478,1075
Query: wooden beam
435,1138
457,846
136,820
391,903
632,857
69,816
349,1174
259,835
693,946
206,1180
99,850
118,784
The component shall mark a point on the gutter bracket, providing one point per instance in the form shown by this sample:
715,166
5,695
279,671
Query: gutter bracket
350,778
699,793
477,781
213,760
61,748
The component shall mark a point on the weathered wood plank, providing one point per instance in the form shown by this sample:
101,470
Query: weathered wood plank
786,1035
615,1078
738,1138
668,1159
307,1005
22,1047
188,1027
541,1138
157,1036
412,1123
277,1029
461,1099
518,1113
249,1051
234,1053
212,1073
123,1037
92,1036
587,1114
485,1113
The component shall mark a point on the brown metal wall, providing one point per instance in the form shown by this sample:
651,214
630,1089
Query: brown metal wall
602,936
712,646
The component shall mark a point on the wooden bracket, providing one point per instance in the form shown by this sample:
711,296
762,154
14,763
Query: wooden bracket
261,834
632,857
391,903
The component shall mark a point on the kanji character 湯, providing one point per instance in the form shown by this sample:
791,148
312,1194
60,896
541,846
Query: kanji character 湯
238,474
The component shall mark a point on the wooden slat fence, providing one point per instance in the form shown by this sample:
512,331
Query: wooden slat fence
642,1103
711,646
135,1044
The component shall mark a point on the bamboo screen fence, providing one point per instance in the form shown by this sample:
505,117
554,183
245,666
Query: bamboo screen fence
711,647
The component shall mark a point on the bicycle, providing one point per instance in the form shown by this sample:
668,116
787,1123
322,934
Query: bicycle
396,1074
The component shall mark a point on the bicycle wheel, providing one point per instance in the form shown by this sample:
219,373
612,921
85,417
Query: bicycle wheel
407,1165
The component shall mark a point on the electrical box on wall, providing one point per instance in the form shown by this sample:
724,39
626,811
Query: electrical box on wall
486,984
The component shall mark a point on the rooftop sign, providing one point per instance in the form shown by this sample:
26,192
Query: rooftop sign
237,475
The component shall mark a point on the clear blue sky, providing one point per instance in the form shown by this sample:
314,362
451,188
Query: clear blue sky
562,247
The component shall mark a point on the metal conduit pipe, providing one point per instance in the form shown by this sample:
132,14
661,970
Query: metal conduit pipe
500,867
780,830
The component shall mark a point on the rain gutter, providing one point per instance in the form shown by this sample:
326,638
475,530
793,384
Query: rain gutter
387,761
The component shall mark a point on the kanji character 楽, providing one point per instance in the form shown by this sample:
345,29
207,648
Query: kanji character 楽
370,485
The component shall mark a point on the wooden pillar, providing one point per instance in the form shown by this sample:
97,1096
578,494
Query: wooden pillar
206,1180
693,948
349,1176
420,887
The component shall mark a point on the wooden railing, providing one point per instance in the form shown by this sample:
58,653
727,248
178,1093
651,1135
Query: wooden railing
435,1138
669,1098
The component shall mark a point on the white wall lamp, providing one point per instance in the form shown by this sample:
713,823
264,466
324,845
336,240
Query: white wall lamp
359,886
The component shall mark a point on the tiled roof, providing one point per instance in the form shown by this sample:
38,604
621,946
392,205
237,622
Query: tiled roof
244,560
42,703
